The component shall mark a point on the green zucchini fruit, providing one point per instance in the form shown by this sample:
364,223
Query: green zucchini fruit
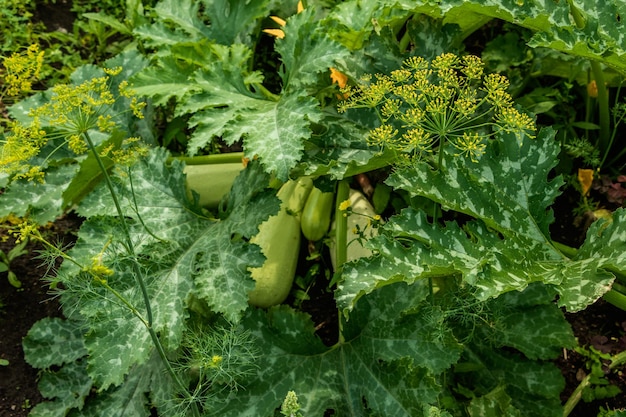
317,214
279,238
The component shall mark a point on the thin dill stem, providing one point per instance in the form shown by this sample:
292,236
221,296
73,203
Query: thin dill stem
138,277
129,242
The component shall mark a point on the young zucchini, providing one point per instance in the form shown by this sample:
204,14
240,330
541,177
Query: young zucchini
317,214
279,239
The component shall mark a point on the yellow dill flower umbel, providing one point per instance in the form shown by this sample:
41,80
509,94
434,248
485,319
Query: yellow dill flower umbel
427,104
21,69
70,116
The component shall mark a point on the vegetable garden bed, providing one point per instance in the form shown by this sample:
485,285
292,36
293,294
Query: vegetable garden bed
319,208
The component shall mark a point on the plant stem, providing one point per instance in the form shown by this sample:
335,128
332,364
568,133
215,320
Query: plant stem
341,224
603,95
603,107
616,296
138,278
129,242
564,249
220,158
266,93
616,360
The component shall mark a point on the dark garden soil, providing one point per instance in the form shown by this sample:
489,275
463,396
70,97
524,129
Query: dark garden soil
19,309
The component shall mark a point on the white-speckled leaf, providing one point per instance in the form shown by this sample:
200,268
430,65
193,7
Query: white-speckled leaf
43,201
179,253
130,398
387,360
506,191
52,342
508,188
65,389
274,131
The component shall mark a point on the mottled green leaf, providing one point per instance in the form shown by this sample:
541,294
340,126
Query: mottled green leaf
130,398
387,359
306,51
341,151
494,404
184,15
506,191
234,21
274,131
67,389
531,385
44,202
178,253
508,188
53,341
606,241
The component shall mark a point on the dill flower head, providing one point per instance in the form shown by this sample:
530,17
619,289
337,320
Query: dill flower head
21,69
68,121
426,104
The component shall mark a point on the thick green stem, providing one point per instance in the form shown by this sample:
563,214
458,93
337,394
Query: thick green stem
341,224
220,158
603,95
266,93
603,108
565,250
341,236
616,296
138,278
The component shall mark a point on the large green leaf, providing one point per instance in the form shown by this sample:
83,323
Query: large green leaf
177,251
234,21
184,16
170,78
66,389
43,202
274,131
506,191
601,39
130,398
386,361
340,150
508,188
306,51
532,386
223,21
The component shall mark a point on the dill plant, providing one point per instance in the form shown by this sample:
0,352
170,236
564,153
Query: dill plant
213,360
426,105
80,120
